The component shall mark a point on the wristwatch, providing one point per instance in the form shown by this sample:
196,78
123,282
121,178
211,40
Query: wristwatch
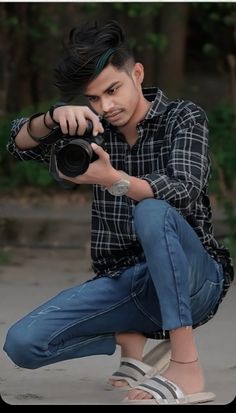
119,188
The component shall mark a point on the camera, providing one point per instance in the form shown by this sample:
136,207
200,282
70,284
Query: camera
74,157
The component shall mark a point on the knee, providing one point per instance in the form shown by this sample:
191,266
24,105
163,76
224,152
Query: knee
20,349
149,214
150,206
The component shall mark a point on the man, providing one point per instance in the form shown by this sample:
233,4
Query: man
159,272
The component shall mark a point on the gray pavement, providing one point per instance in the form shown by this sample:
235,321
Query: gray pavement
33,277
35,274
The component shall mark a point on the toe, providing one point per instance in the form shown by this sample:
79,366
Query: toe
138,395
118,383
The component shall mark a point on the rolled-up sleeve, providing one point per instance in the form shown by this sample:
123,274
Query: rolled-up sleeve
188,167
40,153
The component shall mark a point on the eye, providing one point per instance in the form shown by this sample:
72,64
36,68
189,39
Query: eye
92,98
112,90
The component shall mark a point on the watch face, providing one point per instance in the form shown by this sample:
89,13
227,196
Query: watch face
119,188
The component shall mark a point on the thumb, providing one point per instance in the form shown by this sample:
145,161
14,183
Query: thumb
99,150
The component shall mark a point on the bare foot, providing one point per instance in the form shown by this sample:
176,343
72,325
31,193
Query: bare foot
132,345
189,377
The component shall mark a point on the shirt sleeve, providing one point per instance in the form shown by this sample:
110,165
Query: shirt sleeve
40,153
188,166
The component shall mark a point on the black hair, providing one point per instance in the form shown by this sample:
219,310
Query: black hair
90,48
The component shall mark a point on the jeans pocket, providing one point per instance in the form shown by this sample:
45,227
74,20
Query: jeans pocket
139,278
205,300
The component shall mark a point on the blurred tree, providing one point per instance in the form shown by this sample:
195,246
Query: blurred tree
170,38
211,35
173,26
7,22
16,26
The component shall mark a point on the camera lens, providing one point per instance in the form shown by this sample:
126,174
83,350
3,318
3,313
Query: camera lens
74,158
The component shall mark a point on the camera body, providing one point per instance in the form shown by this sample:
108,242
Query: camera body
74,157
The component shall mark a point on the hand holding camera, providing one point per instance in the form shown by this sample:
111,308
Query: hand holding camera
71,154
73,119
75,157
78,126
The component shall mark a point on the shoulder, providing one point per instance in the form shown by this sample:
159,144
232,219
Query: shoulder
185,113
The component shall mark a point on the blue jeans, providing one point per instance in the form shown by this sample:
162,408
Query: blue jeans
177,285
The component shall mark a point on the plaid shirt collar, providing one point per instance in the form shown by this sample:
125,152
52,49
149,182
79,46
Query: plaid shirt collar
160,102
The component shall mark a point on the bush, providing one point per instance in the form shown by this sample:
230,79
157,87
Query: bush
222,122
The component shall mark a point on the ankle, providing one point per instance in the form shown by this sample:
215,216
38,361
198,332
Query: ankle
188,376
184,362
132,344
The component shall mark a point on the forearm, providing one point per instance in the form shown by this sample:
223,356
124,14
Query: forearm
139,189
37,128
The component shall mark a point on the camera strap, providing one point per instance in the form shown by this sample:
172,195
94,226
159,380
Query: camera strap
52,165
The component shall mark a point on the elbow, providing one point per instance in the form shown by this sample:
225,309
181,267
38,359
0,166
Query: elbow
187,200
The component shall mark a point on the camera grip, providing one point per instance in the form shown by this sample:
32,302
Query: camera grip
89,126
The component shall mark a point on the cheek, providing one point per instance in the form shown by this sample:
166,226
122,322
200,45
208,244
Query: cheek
132,100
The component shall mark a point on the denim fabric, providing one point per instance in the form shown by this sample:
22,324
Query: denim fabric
177,285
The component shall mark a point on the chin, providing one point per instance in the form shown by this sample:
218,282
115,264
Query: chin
120,123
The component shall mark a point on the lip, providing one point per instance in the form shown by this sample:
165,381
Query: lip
114,115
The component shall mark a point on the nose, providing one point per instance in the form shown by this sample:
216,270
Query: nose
106,105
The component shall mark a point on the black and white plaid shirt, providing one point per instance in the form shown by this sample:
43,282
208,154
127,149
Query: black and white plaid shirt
171,153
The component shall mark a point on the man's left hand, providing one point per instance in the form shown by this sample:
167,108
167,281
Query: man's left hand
99,172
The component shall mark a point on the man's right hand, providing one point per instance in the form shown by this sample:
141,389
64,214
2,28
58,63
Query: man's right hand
73,120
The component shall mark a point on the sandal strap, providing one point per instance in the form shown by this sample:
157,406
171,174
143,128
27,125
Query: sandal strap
133,369
161,388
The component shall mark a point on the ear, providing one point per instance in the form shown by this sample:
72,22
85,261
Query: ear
138,73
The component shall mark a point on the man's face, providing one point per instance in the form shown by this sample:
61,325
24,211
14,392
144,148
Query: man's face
116,94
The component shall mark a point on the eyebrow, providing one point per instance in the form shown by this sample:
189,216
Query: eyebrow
106,90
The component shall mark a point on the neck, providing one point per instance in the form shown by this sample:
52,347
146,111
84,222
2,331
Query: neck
129,130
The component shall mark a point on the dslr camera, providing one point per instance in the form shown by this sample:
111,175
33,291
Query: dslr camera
74,157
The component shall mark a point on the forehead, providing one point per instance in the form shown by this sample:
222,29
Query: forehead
104,80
